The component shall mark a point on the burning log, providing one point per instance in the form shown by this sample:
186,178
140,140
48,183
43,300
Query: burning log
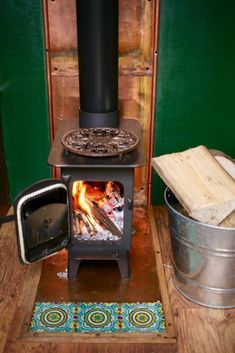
88,224
77,221
101,216
81,222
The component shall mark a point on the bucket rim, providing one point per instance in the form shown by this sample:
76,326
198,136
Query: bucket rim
168,190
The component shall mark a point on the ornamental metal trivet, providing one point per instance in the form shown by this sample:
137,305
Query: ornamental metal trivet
100,142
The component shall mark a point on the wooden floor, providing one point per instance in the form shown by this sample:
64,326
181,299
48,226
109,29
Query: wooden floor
197,329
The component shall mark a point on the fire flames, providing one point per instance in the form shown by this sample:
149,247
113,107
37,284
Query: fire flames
98,210
78,193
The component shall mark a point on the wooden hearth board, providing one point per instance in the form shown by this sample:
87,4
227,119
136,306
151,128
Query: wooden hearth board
28,289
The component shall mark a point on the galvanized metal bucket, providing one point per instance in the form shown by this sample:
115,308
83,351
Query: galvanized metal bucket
203,258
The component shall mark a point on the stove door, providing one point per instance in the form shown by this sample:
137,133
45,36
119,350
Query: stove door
42,220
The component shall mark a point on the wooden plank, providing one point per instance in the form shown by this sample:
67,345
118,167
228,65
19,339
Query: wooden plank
197,329
63,31
64,99
147,33
133,101
62,25
225,328
130,31
203,187
66,64
161,275
12,279
88,347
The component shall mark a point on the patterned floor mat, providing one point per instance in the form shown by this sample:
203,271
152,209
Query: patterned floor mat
97,317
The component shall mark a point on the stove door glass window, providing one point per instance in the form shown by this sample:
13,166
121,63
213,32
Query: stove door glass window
98,210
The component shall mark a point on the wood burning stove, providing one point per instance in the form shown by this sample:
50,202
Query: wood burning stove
50,215
97,173
89,211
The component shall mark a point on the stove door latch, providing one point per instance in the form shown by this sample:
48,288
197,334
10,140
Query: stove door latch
66,178
130,204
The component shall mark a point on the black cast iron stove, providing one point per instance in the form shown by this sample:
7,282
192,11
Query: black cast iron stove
89,211
101,152
96,173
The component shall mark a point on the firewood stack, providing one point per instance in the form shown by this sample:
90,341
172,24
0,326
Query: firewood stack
203,181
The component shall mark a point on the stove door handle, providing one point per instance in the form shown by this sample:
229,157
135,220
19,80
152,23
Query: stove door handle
66,178
8,218
129,204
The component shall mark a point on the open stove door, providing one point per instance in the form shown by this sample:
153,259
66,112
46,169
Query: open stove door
42,220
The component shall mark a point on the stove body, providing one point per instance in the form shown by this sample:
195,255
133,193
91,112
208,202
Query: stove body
117,169
43,215
97,29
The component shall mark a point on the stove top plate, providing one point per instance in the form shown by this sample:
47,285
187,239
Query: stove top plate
100,142
60,157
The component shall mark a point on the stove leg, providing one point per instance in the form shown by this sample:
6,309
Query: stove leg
73,266
124,267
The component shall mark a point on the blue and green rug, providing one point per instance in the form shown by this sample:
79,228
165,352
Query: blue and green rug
97,317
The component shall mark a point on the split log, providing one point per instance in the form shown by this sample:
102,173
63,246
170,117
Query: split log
88,224
77,222
229,221
102,217
81,220
199,182
225,161
229,165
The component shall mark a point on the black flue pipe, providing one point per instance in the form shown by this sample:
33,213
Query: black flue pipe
97,32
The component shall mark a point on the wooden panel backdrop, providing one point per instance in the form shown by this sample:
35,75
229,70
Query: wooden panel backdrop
137,65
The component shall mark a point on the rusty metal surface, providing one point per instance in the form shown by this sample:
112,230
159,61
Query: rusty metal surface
100,280
100,142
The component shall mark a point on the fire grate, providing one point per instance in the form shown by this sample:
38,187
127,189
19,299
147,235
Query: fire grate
100,142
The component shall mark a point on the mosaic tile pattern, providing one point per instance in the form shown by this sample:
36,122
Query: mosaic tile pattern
97,317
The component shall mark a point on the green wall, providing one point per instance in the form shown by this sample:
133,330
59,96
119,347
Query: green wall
196,79
23,94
